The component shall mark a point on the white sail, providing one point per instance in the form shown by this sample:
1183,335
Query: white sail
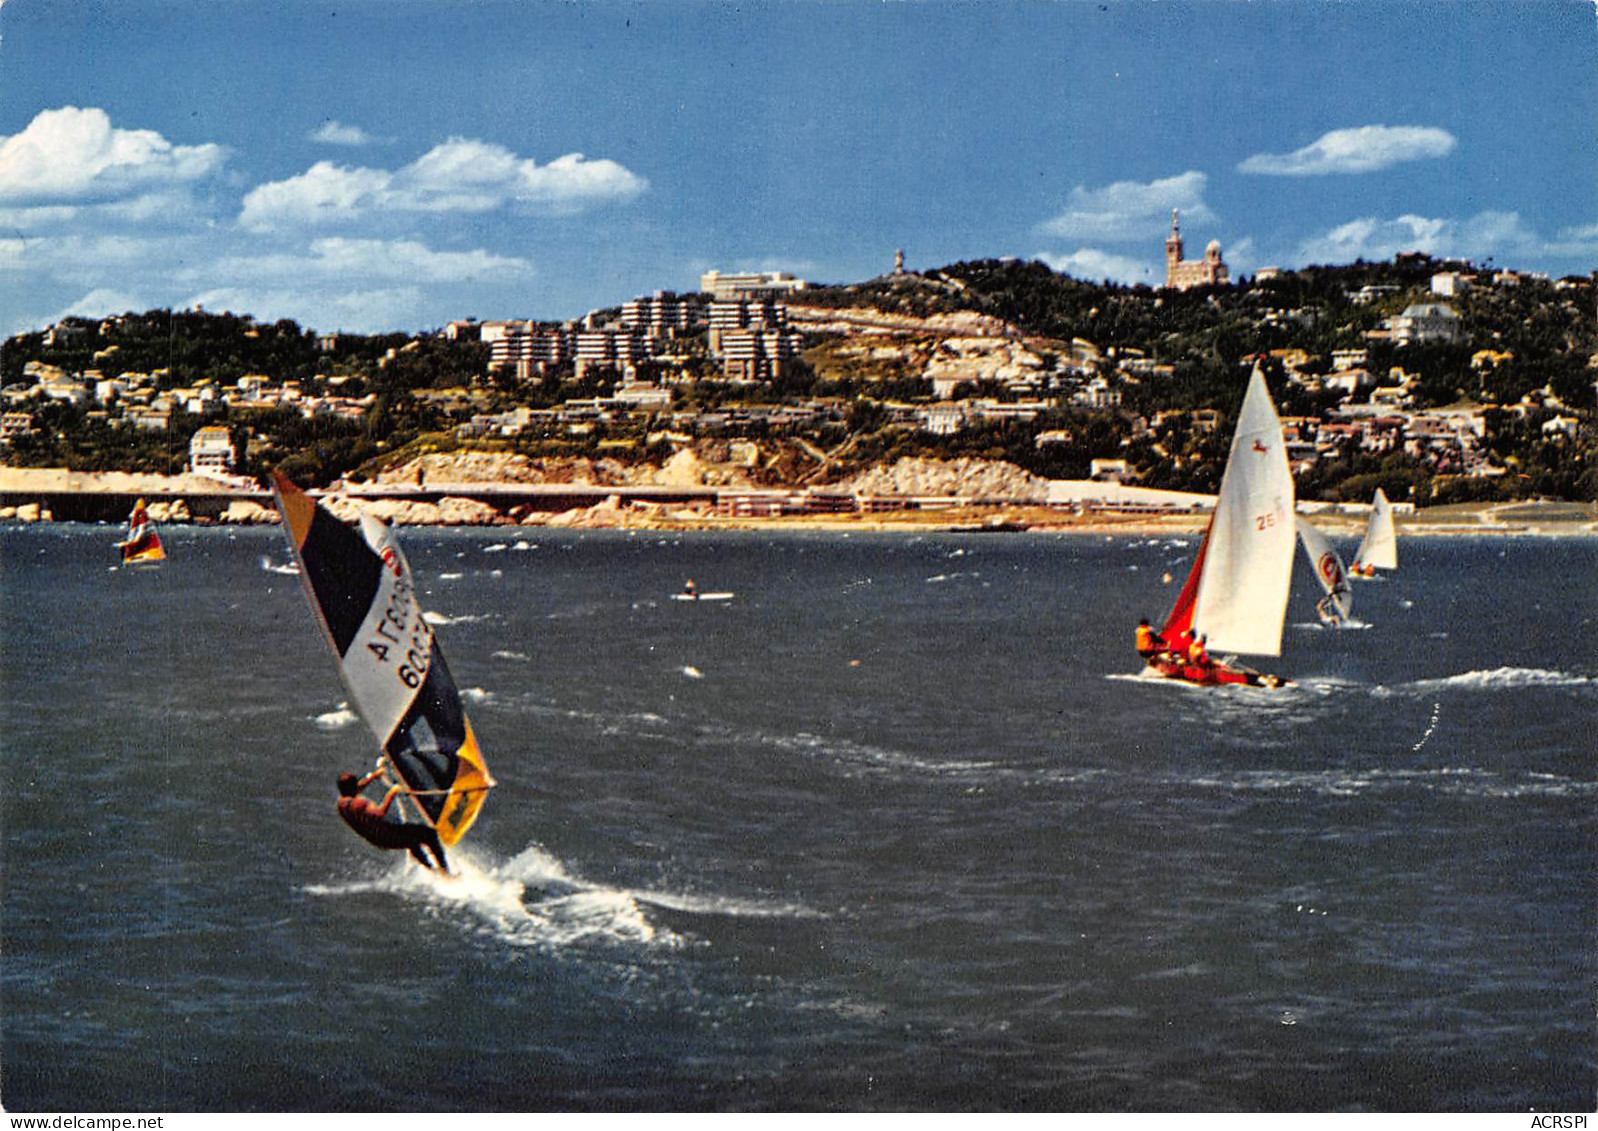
1380,547
1328,569
1248,568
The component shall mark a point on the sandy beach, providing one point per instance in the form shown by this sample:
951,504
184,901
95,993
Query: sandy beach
26,492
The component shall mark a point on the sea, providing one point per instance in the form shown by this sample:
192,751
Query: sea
898,826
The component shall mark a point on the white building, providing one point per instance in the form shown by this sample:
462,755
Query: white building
1426,322
755,284
211,452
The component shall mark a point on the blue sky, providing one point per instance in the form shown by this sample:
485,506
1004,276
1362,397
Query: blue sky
371,165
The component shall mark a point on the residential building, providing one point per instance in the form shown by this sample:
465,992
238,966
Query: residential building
1426,322
211,452
736,285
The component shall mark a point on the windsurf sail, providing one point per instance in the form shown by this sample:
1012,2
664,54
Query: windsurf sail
1338,604
141,545
364,596
1379,549
1247,564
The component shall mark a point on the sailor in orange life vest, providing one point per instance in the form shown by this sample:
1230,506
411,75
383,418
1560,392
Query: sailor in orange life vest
1149,642
1196,654
367,819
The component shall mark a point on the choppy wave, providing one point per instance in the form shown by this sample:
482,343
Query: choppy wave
461,618
1460,781
476,694
269,566
505,654
340,716
534,900
1495,679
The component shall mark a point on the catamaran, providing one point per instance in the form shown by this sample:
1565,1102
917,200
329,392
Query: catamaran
1235,597
1379,550
1338,605
364,596
141,545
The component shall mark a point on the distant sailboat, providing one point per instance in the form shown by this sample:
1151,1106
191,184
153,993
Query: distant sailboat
141,545
1379,550
1235,597
1338,605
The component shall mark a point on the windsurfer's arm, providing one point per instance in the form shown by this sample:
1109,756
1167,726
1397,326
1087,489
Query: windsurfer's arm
371,777
393,792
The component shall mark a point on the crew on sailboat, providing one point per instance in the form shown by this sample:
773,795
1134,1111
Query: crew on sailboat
1149,643
368,819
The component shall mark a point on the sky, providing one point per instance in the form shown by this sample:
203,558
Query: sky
375,165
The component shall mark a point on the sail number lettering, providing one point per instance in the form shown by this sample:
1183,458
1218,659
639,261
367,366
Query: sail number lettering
1265,521
408,639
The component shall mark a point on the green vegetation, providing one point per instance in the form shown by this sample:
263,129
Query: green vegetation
1543,337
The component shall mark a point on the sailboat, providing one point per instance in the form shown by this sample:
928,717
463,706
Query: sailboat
141,545
1235,596
1338,605
364,596
1379,550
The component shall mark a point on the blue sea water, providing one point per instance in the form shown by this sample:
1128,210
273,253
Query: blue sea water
897,827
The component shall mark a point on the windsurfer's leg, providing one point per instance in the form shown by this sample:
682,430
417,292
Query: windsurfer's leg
438,850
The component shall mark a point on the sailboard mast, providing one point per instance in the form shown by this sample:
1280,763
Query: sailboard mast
1328,569
363,595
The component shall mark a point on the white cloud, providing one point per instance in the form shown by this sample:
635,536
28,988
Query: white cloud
334,132
82,256
460,175
356,311
375,261
325,192
1485,235
1130,209
1091,265
1365,149
100,302
73,154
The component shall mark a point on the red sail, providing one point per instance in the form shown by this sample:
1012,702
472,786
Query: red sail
1181,619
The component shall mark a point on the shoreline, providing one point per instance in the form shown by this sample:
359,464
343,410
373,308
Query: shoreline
235,503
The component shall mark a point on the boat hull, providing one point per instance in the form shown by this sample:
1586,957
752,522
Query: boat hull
1215,674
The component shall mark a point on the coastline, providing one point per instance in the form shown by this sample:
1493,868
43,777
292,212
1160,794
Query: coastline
237,502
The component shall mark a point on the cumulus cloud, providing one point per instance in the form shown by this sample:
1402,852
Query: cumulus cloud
461,175
1487,234
100,302
1366,149
74,154
378,261
1091,265
1130,209
359,311
334,132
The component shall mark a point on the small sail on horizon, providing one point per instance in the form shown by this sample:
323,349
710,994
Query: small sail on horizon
141,545
364,596
1338,604
1379,548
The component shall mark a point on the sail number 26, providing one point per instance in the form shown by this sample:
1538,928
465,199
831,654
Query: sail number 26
1265,521
397,633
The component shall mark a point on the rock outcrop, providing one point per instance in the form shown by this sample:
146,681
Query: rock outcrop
960,478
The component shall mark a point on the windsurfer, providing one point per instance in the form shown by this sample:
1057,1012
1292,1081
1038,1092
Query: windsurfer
138,522
688,588
367,819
